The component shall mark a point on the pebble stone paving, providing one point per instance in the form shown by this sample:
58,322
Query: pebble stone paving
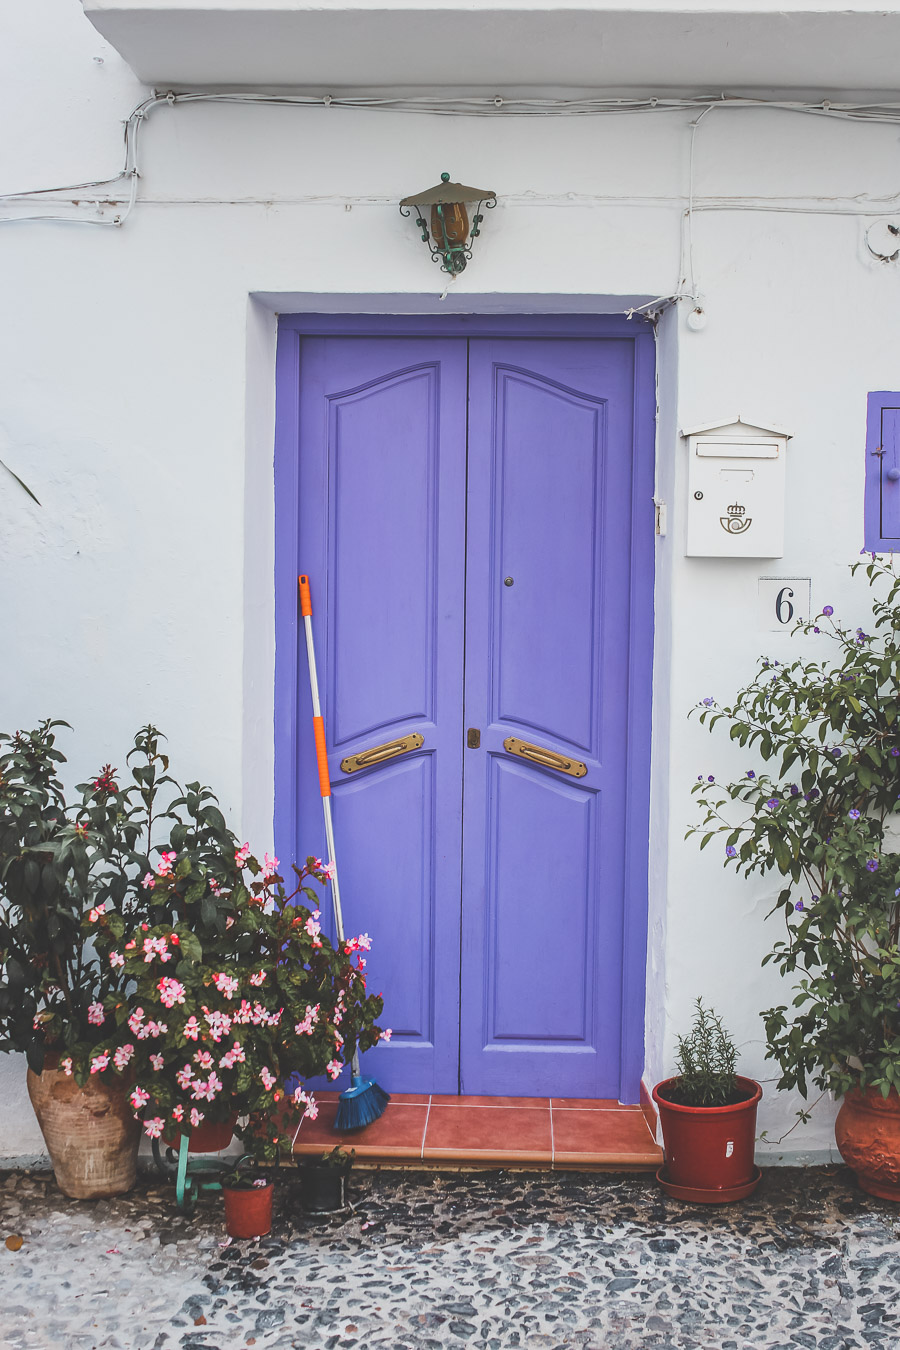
486,1260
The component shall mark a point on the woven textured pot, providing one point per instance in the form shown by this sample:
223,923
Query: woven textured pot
867,1132
91,1133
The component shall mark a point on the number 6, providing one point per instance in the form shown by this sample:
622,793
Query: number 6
782,604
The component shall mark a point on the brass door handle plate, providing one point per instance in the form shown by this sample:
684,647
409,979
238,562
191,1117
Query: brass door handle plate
549,759
377,754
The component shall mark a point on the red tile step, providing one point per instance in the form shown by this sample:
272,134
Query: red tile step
545,1132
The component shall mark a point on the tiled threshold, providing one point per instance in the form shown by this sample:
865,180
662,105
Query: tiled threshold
528,1132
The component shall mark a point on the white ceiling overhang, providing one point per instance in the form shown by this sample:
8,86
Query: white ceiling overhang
818,47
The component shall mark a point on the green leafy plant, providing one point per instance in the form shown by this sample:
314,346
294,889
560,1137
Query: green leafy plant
336,1157
819,815
58,860
706,1064
246,1175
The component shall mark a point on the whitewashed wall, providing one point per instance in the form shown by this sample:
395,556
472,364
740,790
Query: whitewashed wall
136,367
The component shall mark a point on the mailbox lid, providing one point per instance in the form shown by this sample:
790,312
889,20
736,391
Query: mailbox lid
743,448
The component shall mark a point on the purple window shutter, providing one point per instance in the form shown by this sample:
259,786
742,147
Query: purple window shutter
882,501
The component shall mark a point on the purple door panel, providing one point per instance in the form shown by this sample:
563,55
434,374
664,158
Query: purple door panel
547,619
472,517
382,533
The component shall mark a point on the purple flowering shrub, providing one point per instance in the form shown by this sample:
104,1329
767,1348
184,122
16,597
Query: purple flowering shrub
818,814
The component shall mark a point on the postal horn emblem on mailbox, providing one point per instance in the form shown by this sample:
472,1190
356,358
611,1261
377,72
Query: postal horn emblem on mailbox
736,522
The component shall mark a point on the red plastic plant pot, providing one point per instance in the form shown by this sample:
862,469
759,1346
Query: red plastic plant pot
210,1136
248,1213
710,1148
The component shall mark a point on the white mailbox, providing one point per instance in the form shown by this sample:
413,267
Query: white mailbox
735,490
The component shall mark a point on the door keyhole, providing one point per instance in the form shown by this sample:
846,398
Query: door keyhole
473,738
508,581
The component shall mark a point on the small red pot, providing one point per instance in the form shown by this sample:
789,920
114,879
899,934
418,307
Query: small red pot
210,1136
248,1213
709,1149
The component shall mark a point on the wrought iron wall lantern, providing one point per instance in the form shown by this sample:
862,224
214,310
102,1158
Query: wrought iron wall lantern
451,236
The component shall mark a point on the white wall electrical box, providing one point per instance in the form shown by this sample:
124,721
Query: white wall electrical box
735,490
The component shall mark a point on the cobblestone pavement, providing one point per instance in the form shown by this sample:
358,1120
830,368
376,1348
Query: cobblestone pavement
481,1260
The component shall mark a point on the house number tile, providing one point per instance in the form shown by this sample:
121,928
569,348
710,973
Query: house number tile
782,601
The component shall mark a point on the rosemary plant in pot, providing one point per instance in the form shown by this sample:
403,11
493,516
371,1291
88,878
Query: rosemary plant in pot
708,1118
822,814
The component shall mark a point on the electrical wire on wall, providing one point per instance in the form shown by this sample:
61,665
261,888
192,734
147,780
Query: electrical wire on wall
128,178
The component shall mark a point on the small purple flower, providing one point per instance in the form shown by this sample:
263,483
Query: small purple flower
772,803
895,752
750,773
731,851
799,904
813,897
710,779
699,777
812,794
854,815
871,864
828,611
708,702
795,791
816,630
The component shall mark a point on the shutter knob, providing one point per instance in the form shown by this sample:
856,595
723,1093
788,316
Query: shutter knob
893,474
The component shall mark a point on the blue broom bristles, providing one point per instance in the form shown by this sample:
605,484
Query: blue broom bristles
363,1102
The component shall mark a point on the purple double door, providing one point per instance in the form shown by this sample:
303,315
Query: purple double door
466,519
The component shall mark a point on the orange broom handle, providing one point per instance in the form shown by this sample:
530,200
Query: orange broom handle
322,756
305,600
318,720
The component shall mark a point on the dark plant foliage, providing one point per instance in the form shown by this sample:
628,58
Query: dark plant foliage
820,814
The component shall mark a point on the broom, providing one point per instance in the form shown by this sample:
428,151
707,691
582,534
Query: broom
363,1101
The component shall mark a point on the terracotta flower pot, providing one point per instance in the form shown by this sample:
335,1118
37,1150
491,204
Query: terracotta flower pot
210,1136
91,1133
867,1131
709,1149
248,1213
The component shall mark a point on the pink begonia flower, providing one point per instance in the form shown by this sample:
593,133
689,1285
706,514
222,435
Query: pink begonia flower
116,959
312,1109
95,913
229,923
130,946
334,1068
386,1034
196,1117
214,886
184,1076
139,1098
204,1059
135,1020
170,991
164,866
123,1055
66,1066
191,1029
156,947
99,1062
267,1079
269,866
149,881
154,1127
219,1023
178,1112
242,855
96,1015
157,1061
226,984
154,1029
312,925
258,978
330,870
233,1056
